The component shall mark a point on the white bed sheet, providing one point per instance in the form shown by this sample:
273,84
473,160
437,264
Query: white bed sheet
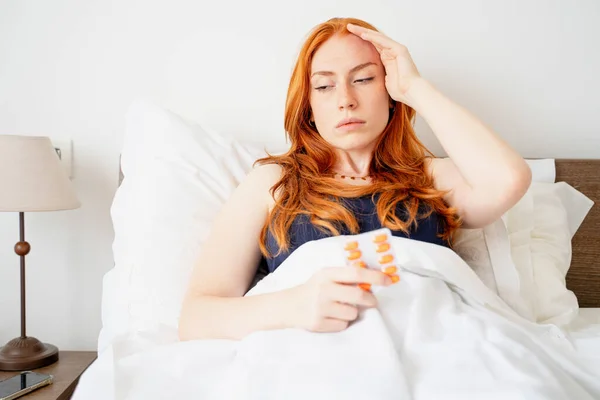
585,330
97,383
176,368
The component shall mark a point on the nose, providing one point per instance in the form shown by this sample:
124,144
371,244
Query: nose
346,98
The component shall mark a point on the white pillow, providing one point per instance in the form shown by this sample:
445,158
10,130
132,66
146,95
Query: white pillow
177,175
540,228
486,250
471,246
542,170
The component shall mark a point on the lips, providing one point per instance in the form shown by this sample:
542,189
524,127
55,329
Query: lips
347,121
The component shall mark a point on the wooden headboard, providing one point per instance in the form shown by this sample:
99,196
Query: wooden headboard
584,275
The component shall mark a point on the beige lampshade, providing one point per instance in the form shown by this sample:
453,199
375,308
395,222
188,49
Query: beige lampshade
31,176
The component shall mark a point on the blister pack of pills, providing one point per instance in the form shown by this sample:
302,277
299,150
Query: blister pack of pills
373,250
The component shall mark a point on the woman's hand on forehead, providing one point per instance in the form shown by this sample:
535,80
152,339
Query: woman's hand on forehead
401,71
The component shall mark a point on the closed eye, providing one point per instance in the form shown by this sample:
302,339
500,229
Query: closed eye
365,80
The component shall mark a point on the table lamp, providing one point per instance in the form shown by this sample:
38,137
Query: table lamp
31,179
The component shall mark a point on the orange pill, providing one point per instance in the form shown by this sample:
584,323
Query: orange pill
360,264
364,286
351,246
382,247
354,255
390,270
395,278
386,259
380,238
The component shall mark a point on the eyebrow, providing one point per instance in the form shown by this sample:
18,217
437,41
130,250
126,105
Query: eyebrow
354,69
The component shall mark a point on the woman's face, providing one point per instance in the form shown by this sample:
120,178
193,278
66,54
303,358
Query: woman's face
348,81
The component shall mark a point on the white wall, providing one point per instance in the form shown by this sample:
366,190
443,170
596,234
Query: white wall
69,69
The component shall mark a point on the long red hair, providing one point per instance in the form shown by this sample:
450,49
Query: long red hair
307,185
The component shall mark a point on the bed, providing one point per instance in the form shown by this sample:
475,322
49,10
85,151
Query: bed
140,356
584,274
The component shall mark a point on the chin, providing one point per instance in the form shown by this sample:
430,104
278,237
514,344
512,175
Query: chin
355,142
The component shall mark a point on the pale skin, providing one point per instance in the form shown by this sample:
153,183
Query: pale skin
485,177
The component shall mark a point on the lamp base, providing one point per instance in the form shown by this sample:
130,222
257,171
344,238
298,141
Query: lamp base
22,354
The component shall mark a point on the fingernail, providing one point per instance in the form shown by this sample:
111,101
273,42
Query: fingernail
395,278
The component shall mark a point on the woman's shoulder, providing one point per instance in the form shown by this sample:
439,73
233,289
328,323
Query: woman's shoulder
265,174
431,163
262,178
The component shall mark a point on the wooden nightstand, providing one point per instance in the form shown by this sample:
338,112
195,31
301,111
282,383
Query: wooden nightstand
66,372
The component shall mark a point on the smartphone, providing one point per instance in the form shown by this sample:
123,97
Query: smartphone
23,383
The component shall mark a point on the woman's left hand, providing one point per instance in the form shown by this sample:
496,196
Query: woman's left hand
401,71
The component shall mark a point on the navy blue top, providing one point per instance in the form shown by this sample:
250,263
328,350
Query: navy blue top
365,212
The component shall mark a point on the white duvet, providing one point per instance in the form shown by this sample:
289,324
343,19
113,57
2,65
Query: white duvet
439,333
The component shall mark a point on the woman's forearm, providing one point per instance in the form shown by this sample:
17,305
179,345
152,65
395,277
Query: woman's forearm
480,155
211,317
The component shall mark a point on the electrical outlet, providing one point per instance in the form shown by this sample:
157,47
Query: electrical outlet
64,151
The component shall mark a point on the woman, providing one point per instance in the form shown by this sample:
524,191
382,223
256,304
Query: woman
354,162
